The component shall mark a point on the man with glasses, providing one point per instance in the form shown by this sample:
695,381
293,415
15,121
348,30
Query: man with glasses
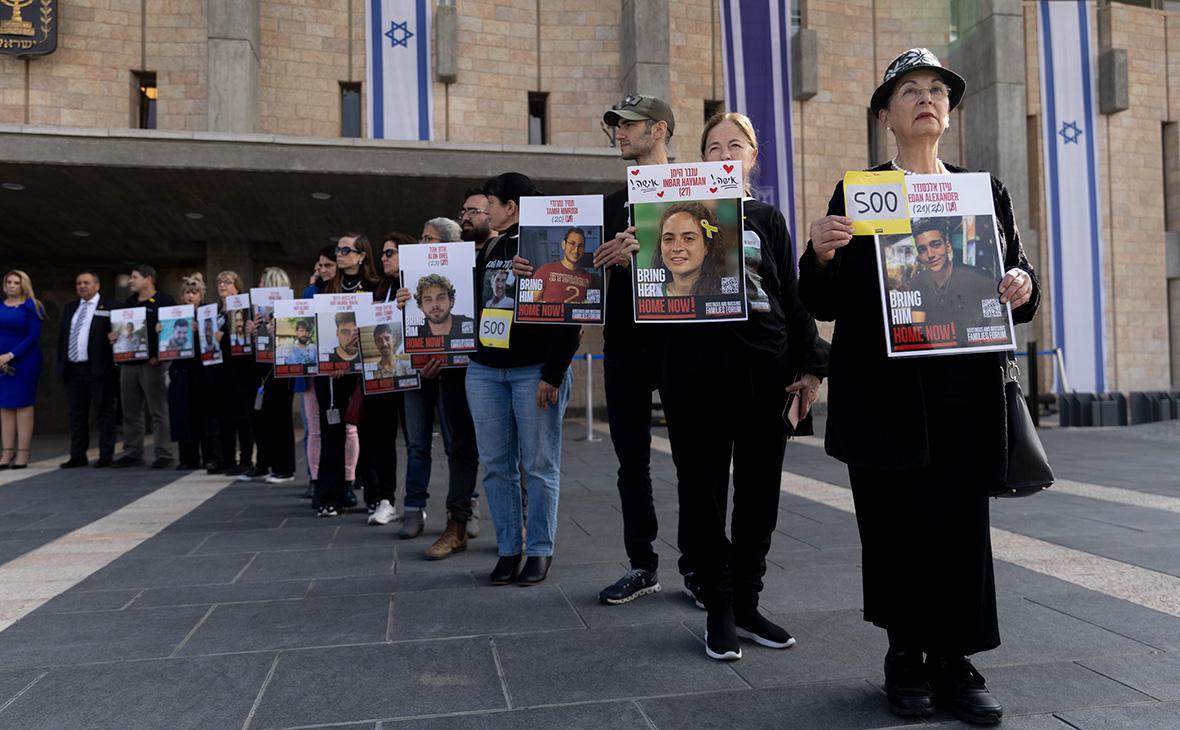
563,281
473,218
643,125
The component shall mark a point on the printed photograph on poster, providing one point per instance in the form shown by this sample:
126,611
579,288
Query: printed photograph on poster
439,317
262,302
383,350
688,221
130,324
177,340
558,236
207,330
295,352
336,328
237,311
939,282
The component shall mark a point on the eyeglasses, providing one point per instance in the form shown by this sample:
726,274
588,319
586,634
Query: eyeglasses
389,253
466,212
346,251
427,238
914,93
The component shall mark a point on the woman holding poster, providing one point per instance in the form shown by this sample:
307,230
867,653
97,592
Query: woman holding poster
924,438
237,381
748,368
518,385
190,414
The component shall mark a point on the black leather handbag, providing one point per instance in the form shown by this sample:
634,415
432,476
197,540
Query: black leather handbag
1028,472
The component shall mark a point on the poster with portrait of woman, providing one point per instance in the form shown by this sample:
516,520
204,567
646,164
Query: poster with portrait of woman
688,221
176,337
939,281
558,236
386,366
440,315
207,330
130,326
262,302
237,311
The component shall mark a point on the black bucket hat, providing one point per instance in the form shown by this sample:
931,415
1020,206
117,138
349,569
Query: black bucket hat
914,60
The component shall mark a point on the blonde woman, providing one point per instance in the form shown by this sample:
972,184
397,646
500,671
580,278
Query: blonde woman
190,398
273,426
20,365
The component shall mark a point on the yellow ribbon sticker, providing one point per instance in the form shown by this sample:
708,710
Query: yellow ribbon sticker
495,327
876,202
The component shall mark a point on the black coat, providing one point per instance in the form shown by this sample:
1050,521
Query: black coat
100,358
882,410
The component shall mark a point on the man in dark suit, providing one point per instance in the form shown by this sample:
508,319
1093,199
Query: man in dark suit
86,364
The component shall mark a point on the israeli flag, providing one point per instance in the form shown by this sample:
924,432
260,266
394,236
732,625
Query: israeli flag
397,68
1071,191
756,46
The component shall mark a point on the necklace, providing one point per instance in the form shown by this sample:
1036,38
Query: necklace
938,163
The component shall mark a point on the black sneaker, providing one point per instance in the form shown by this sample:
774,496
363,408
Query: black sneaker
253,473
721,639
754,626
906,688
125,461
961,689
234,470
350,499
327,511
634,584
692,589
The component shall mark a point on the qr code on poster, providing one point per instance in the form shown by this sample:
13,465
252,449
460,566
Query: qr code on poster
593,296
729,285
992,308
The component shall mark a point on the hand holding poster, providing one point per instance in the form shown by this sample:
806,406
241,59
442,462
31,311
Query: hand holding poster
130,324
176,332
688,221
263,301
558,236
207,331
939,282
440,314
237,310
336,325
295,354
383,350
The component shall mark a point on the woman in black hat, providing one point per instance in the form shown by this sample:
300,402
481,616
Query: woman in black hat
924,438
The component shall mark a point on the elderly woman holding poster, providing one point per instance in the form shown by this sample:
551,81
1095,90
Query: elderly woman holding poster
924,438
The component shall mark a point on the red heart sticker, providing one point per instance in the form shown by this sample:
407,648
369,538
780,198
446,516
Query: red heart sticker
727,168
712,190
635,172
660,194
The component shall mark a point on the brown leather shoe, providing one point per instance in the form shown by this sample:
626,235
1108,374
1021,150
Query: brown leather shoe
453,540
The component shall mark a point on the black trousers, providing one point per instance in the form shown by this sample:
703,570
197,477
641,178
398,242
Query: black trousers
83,390
332,394
925,537
377,465
274,428
725,406
629,377
237,391
462,455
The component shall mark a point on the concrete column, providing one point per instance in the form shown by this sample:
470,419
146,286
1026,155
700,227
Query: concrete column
233,65
645,60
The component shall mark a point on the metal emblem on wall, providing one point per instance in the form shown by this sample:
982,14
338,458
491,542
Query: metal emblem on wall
28,27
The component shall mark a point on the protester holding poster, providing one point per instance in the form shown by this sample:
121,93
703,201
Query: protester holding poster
295,333
689,227
237,382
518,386
271,421
924,438
262,300
737,425
563,232
191,411
210,335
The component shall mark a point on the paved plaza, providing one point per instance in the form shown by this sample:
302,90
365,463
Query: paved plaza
151,599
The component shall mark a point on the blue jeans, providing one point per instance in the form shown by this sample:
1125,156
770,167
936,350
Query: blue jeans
449,394
508,424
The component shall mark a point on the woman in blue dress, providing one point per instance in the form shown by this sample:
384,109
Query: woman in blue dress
20,364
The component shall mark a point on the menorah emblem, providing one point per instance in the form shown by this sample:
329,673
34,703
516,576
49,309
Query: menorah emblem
16,25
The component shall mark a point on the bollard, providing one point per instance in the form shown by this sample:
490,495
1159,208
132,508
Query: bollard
590,400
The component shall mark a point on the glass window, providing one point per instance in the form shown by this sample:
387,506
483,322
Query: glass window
538,117
350,109
146,94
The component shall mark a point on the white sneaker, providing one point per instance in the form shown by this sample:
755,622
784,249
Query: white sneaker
384,514
278,479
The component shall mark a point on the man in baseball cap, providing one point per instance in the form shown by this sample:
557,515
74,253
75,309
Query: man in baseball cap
639,108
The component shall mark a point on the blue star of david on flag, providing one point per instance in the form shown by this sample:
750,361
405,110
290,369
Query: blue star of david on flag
399,34
1070,132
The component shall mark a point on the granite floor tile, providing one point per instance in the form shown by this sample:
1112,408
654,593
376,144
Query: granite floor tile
1137,622
1157,675
294,565
223,594
594,716
1149,716
146,571
1039,688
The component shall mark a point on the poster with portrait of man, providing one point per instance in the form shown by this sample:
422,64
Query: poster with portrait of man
207,331
688,221
386,367
130,326
439,317
237,311
558,236
176,337
940,281
262,303
295,336
338,332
